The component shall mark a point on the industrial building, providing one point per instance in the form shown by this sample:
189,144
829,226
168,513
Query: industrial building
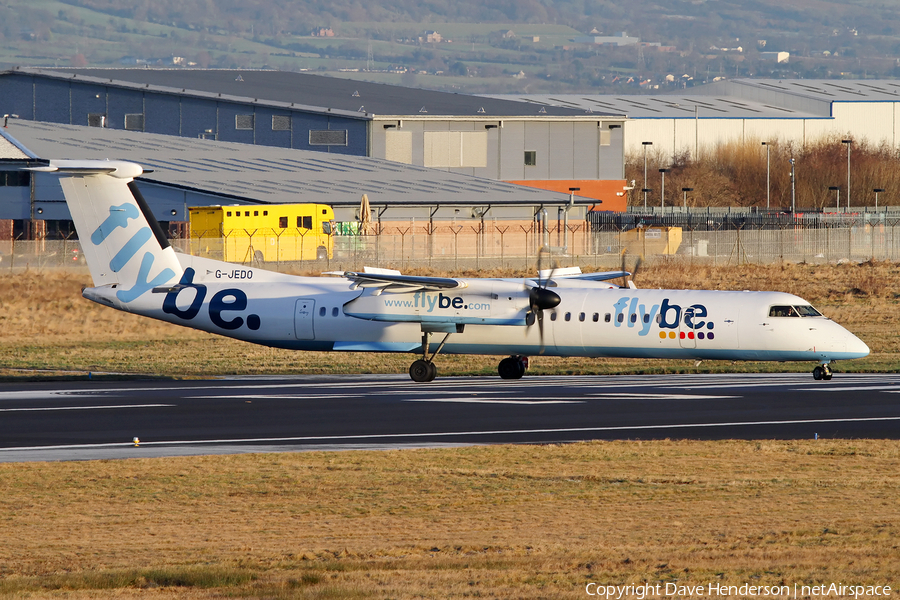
795,111
185,172
552,148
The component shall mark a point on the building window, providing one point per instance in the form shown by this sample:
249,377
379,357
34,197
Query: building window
134,122
243,122
328,137
96,119
530,158
15,178
281,123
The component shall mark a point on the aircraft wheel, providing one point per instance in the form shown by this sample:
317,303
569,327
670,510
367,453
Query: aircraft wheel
511,368
422,371
828,373
819,373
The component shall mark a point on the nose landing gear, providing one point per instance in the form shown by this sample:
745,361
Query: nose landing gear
823,371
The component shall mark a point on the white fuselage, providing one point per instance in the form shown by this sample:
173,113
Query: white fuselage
488,316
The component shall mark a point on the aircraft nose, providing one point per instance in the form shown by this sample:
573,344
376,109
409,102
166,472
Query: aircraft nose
856,346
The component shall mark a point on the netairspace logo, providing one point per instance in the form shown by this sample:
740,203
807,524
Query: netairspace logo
719,590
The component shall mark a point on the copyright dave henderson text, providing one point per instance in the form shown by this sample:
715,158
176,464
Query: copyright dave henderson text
641,591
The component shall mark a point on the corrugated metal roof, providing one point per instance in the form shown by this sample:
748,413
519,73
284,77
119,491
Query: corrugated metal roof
268,174
834,90
304,90
668,106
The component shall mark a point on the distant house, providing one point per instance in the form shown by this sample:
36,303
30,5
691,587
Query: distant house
619,39
779,57
509,35
323,32
431,37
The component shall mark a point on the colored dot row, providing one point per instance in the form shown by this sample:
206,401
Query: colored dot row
690,335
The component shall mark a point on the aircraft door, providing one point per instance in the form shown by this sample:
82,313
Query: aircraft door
304,312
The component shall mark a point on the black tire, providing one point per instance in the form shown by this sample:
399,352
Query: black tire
511,368
819,373
422,371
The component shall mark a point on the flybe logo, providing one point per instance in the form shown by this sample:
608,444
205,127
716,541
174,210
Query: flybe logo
667,315
119,217
431,301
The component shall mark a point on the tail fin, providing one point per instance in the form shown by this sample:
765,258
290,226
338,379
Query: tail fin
122,241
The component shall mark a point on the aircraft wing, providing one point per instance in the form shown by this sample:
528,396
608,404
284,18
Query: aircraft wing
402,283
604,276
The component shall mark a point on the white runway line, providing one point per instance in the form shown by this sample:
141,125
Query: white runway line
375,436
497,401
115,406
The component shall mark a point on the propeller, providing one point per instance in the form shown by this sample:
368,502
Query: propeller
633,273
539,299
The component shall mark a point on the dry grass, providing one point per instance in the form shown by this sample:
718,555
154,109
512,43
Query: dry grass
500,522
45,324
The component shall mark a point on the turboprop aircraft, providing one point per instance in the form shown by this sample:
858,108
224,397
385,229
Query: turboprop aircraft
562,312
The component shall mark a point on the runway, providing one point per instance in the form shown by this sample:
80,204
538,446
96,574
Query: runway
92,420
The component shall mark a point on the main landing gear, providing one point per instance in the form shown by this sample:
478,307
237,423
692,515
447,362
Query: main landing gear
424,369
513,367
823,371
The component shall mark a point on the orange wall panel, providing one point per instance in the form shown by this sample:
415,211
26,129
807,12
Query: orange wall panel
605,191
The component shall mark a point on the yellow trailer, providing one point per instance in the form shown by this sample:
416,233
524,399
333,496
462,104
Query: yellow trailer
270,233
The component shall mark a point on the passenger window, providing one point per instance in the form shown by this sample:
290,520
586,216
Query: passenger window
634,317
282,222
646,318
581,317
568,316
322,311
334,311
304,222
783,311
597,317
228,214
621,317
255,213
246,213
607,318
658,318
553,316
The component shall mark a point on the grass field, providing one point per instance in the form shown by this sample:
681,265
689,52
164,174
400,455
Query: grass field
492,522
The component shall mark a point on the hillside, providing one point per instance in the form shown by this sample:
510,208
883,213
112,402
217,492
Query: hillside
496,47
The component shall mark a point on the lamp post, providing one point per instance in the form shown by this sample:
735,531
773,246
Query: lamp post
837,189
645,144
848,142
662,188
768,186
876,190
685,191
793,189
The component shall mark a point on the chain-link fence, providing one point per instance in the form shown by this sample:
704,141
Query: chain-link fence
516,245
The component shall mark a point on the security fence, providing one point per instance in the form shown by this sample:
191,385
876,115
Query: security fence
599,243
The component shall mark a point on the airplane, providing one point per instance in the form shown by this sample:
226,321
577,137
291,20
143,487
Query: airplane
562,312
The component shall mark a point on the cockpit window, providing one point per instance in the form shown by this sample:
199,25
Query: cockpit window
802,310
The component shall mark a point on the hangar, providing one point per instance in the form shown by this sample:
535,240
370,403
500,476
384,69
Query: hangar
553,148
797,111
